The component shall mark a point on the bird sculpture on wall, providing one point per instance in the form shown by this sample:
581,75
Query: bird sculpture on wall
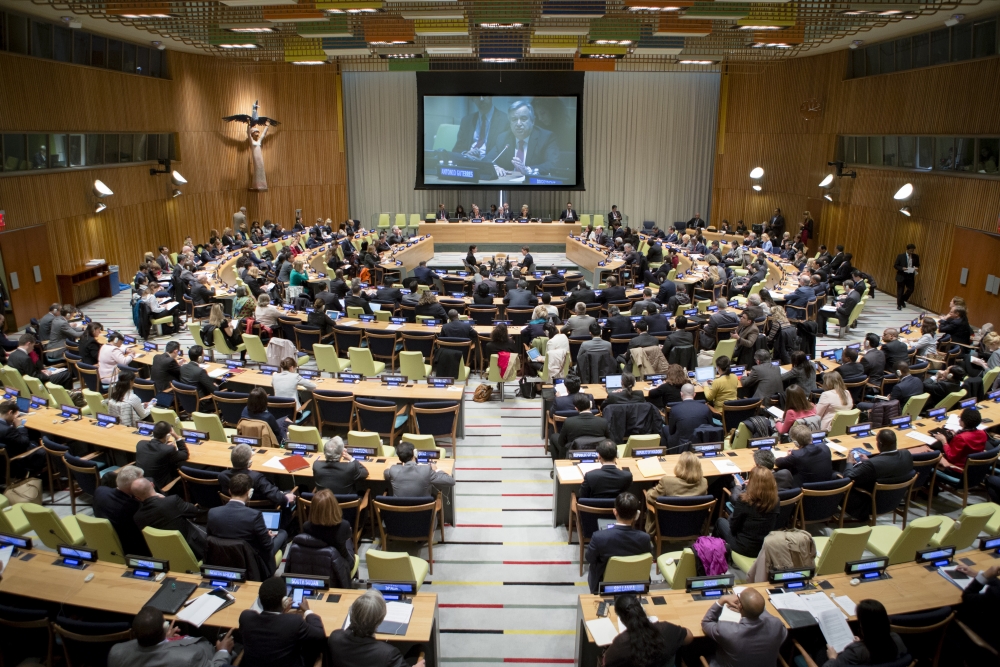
252,119
258,179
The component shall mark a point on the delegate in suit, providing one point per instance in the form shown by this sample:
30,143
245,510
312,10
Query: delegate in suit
906,267
412,480
150,648
277,636
523,146
609,480
480,128
622,539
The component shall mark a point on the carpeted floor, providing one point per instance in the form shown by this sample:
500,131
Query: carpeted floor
507,582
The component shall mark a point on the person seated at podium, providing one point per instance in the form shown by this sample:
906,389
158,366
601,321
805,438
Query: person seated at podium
479,129
615,215
357,645
523,147
568,214
160,644
524,215
492,213
442,213
395,236
475,213
460,212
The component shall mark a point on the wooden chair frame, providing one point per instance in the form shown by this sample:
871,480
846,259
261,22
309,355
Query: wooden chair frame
438,517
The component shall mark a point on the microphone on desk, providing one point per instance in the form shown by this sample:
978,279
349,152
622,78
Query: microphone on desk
500,153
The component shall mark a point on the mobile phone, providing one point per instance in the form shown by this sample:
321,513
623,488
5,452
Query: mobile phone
296,598
739,479
152,401
602,610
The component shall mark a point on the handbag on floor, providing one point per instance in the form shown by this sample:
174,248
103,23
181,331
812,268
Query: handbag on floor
26,491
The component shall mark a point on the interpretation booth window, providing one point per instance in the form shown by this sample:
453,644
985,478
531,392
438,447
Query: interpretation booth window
53,41
36,151
968,155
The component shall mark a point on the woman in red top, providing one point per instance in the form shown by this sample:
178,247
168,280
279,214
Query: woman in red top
797,406
970,440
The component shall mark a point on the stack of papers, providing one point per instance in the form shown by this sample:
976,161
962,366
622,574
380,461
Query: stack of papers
728,615
200,609
828,615
393,327
588,467
396,621
218,372
275,463
650,467
725,466
952,424
954,576
569,474
604,630
777,412
922,437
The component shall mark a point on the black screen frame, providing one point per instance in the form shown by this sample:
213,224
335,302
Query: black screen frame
528,84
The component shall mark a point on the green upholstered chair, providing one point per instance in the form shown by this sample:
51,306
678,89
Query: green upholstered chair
171,546
962,534
901,546
395,566
844,545
99,534
51,529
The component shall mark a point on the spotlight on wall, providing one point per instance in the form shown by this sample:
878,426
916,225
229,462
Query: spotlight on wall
904,192
757,188
827,182
756,173
177,193
177,179
856,43
954,20
101,190
100,207
907,211
828,197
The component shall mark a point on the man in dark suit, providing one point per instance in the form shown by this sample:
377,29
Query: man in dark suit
193,374
357,299
21,361
721,318
568,214
679,337
894,349
622,539
844,271
618,324
160,455
837,259
907,387
423,274
849,368
442,212
906,267
584,424
764,378
776,225
357,644
339,472
236,521
796,302
262,487
480,128
166,513
668,289
165,368
527,263
522,146
609,480
844,307
696,222
824,255
338,286
456,328
613,291
201,293
563,403
615,215
810,462
152,648
118,506
889,466
873,359
582,294
279,636
15,441
520,297
684,418
980,609
387,292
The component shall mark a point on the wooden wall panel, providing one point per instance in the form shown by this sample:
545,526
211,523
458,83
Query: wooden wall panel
304,156
980,254
764,128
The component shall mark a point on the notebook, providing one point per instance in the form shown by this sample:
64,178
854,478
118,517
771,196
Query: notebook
293,463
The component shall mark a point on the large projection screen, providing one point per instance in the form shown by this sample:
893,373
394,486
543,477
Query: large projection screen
521,130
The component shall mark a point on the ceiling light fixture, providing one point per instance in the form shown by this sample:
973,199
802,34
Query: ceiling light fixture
177,193
696,62
308,62
904,192
907,211
828,197
826,182
100,207
177,179
954,20
636,8
757,28
500,26
856,43
756,173
71,22
499,60
248,45
613,42
250,30
757,188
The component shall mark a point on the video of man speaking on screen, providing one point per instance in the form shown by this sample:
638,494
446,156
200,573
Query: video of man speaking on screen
500,140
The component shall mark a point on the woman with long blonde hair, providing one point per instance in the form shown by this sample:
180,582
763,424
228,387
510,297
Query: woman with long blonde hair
835,398
686,480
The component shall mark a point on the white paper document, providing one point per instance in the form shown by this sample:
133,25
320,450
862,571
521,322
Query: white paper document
569,474
835,447
650,467
218,372
788,601
725,466
847,604
922,437
952,423
777,412
588,467
275,463
835,629
728,615
603,631
197,612
954,576
393,327
398,612
5,554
